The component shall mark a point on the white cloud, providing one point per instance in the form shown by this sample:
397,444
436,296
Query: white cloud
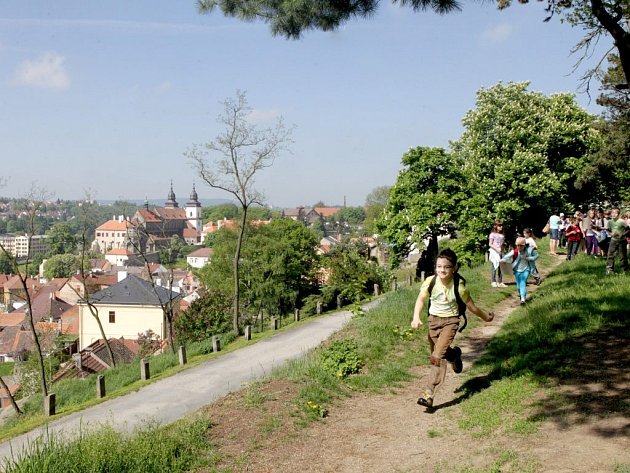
497,33
262,116
47,71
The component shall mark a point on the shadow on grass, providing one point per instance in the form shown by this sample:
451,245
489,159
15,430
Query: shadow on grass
575,335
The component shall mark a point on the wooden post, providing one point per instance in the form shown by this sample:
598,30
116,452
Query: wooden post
216,343
49,404
296,315
100,386
377,289
422,276
338,302
182,355
395,285
318,310
248,332
274,323
410,279
145,372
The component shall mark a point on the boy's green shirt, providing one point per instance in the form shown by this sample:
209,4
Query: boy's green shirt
617,228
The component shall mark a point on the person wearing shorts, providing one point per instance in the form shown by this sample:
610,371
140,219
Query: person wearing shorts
554,233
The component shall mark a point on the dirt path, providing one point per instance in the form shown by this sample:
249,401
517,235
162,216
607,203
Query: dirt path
391,433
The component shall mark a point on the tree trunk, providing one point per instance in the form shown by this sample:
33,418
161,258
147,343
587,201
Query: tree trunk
94,312
4,386
38,347
619,35
235,267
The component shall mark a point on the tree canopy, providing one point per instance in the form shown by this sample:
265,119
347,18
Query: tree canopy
424,201
291,18
521,155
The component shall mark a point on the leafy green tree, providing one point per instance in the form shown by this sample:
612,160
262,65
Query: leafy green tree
6,267
209,315
522,155
609,171
352,274
375,204
424,202
60,266
280,263
351,215
237,155
62,239
219,212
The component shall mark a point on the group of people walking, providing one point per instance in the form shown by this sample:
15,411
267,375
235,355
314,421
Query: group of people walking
522,259
598,233
603,233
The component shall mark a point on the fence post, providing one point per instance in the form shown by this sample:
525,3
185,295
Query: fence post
377,289
216,343
410,279
248,332
100,386
422,276
395,284
318,310
182,355
145,372
275,323
338,302
296,315
49,404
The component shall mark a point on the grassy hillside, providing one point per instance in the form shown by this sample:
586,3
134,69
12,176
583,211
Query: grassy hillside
540,346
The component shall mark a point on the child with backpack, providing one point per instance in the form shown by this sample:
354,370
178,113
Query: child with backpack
530,241
448,298
523,260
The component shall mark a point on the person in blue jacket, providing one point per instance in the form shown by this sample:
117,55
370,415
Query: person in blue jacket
523,259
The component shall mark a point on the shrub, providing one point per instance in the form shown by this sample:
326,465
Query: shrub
342,358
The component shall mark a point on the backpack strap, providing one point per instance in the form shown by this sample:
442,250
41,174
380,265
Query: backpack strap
430,290
515,255
461,305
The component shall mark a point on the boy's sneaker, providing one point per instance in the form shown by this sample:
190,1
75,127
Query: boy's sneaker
425,400
538,280
501,285
457,363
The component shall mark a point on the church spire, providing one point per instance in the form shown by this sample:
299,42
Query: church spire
171,203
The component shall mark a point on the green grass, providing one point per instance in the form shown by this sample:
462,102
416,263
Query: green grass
538,346
151,449
6,369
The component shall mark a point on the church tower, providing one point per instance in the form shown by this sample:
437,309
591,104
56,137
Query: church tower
193,210
171,203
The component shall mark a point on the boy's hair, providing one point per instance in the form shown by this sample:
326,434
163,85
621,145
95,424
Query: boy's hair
448,254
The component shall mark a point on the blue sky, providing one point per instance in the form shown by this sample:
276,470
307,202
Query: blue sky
108,96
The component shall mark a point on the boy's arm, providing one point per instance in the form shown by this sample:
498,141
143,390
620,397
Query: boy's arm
534,255
420,301
478,312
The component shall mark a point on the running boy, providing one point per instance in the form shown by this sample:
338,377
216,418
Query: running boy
443,320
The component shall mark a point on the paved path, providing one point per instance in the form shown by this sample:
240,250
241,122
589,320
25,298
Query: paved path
174,397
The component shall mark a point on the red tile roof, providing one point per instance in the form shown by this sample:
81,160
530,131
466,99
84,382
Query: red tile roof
11,319
114,225
327,211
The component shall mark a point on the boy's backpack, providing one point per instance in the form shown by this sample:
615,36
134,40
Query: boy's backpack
515,254
461,305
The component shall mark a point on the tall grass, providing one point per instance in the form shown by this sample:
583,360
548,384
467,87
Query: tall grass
151,449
